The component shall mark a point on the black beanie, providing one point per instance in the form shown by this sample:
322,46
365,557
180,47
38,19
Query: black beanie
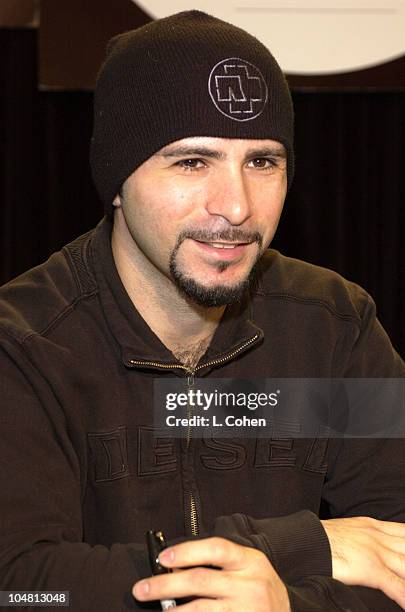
189,74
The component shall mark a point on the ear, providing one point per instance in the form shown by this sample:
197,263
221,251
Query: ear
117,202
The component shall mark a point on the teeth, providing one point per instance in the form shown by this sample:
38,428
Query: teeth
220,245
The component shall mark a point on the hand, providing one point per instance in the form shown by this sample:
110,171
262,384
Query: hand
369,552
243,578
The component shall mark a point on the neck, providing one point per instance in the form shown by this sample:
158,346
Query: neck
183,327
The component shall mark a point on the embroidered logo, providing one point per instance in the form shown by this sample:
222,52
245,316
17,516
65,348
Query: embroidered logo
238,89
109,454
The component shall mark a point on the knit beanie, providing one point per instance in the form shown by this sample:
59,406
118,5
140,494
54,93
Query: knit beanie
186,75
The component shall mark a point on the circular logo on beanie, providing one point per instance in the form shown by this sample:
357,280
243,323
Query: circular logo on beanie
238,89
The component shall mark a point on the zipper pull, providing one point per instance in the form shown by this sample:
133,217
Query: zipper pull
190,378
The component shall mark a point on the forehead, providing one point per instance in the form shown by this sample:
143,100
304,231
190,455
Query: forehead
221,148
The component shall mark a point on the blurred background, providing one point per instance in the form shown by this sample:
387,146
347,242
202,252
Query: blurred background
345,210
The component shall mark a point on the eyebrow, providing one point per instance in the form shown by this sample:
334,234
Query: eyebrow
185,151
267,152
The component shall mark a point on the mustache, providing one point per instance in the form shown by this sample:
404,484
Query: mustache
232,234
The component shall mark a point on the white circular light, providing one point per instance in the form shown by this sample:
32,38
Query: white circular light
311,36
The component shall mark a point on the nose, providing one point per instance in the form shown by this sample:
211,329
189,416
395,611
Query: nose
231,197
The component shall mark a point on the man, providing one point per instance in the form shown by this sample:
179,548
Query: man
192,153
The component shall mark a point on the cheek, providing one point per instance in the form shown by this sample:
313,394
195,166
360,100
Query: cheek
174,209
271,210
154,220
184,201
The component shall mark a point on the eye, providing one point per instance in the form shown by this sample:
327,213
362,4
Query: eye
191,164
262,163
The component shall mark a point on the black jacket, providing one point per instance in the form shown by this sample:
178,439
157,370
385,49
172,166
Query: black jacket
82,476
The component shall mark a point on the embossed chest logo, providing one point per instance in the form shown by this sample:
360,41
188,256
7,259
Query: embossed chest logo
238,89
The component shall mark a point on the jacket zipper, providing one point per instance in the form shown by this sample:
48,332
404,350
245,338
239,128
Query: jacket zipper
190,381
193,505
191,371
193,516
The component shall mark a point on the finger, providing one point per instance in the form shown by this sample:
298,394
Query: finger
201,605
395,562
393,587
218,552
195,582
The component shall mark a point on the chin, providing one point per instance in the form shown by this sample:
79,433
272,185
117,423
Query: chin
211,295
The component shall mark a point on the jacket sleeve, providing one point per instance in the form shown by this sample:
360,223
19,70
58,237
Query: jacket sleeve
298,548
365,478
41,539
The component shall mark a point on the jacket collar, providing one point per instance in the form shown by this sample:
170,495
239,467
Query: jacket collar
139,346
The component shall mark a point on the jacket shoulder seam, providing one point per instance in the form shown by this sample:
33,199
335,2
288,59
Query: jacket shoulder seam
312,302
52,324
76,253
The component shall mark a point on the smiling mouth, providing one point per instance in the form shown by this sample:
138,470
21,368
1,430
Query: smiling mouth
224,245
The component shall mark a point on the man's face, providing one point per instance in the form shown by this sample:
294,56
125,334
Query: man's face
201,211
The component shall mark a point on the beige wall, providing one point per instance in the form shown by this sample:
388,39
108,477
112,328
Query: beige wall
19,13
